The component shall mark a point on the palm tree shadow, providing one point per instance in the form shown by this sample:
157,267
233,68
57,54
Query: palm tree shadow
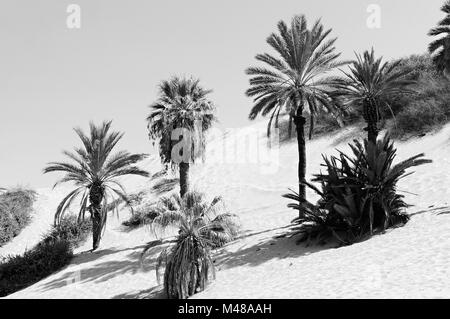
152,293
107,270
278,247
443,210
89,255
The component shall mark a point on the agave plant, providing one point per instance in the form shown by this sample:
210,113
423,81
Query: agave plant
202,227
358,193
95,174
294,80
369,84
441,47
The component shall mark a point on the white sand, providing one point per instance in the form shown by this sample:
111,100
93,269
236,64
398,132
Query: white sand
408,262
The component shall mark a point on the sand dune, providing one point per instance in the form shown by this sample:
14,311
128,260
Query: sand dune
407,262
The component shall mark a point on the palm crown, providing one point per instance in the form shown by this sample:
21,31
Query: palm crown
95,172
369,84
441,46
202,225
194,215
293,80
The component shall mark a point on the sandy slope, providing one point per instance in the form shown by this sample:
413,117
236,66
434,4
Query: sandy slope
407,262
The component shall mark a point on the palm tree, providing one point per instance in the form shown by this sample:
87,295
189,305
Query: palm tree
202,226
369,84
95,173
295,79
441,46
180,117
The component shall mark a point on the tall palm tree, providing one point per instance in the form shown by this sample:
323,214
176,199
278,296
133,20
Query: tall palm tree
294,80
95,173
202,226
441,46
180,117
369,84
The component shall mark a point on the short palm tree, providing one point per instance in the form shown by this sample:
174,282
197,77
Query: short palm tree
95,173
294,80
369,84
202,226
180,117
441,46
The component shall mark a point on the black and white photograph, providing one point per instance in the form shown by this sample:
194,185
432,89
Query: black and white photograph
224,150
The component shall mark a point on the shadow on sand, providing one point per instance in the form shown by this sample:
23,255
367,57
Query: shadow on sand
152,293
107,270
443,210
247,253
275,247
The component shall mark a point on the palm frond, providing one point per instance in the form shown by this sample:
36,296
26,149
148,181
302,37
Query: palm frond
304,55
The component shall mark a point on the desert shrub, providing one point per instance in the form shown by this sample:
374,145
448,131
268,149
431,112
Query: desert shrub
143,211
202,226
16,206
421,116
416,68
51,254
429,110
358,194
141,216
69,230
426,109
18,272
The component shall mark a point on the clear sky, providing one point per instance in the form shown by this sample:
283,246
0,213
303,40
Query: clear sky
53,78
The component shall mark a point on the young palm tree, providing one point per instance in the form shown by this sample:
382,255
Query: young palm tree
369,84
180,117
95,174
202,226
441,46
294,80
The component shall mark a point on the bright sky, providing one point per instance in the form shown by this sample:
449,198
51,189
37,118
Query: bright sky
53,78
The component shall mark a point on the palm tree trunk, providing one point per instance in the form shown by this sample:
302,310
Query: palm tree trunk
370,114
95,197
184,178
96,226
299,121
